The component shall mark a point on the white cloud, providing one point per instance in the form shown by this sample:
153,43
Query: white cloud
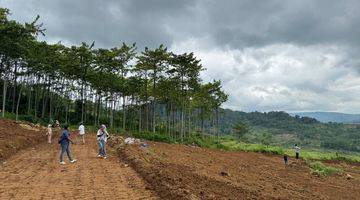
280,76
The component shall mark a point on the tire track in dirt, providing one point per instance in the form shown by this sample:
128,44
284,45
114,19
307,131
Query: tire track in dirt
36,174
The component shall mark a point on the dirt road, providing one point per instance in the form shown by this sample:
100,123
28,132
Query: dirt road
36,174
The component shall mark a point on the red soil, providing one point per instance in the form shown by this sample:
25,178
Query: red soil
182,172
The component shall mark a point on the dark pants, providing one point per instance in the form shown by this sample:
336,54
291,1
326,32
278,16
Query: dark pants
65,147
297,155
285,160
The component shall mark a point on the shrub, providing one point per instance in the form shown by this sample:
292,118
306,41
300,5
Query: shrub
320,169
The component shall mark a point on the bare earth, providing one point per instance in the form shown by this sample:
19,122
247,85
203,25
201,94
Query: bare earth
29,169
35,173
183,172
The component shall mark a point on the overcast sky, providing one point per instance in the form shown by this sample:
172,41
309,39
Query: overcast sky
298,55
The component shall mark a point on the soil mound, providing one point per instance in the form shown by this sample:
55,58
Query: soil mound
15,136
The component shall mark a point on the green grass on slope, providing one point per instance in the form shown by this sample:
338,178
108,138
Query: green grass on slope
320,169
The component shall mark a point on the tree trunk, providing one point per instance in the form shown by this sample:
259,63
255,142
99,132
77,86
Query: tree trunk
14,88
4,98
50,106
124,113
182,122
112,112
18,103
153,116
29,97
82,102
140,117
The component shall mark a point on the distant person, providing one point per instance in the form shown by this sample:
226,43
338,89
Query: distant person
49,133
82,132
297,151
286,158
57,127
65,141
57,124
102,136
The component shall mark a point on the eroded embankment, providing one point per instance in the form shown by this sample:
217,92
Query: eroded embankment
16,136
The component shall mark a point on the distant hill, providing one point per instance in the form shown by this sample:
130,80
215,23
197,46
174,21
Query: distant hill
281,128
331,117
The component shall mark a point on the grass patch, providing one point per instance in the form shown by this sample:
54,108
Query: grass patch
239,146
320,169
328,155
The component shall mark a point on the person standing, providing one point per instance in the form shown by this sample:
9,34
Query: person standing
297,151
49,133
57,127
102,136
286,159
82,132
64,142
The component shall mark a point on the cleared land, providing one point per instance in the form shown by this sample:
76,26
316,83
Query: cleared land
35,173
183,172
29,169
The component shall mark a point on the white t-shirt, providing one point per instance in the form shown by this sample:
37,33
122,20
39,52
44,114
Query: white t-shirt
81,129
297,149
102,135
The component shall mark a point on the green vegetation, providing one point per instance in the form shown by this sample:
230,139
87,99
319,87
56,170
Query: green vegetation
282,129
320,169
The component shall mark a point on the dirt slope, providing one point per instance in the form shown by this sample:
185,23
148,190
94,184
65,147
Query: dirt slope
15,136
182,172
35,173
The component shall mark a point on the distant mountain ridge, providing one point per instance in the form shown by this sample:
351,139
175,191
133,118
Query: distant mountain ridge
331,117
284,129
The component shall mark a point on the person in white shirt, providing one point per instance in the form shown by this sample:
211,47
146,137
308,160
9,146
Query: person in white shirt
102,136
297,151
82,132
49,133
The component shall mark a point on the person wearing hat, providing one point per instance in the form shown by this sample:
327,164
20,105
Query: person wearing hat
102,136
82,132
64,142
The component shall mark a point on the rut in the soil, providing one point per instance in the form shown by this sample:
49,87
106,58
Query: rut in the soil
36,174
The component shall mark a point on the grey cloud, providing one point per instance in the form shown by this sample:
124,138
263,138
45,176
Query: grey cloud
225,35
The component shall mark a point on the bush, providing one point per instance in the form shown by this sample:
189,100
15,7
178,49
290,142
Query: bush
320,169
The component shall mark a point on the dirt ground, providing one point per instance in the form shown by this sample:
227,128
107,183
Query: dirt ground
182,172
35,173
29,169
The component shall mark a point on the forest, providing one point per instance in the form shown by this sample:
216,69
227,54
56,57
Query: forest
281,129
154,90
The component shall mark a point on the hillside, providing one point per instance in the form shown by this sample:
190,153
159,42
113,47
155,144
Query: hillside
280,128
331,117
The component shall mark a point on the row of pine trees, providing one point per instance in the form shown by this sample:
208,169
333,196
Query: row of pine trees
148,91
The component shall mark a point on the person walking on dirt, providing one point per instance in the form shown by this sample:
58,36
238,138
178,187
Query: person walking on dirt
49,133
82,132
286,158
297,151
102,136
65,141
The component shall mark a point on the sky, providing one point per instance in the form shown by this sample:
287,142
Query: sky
298,55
